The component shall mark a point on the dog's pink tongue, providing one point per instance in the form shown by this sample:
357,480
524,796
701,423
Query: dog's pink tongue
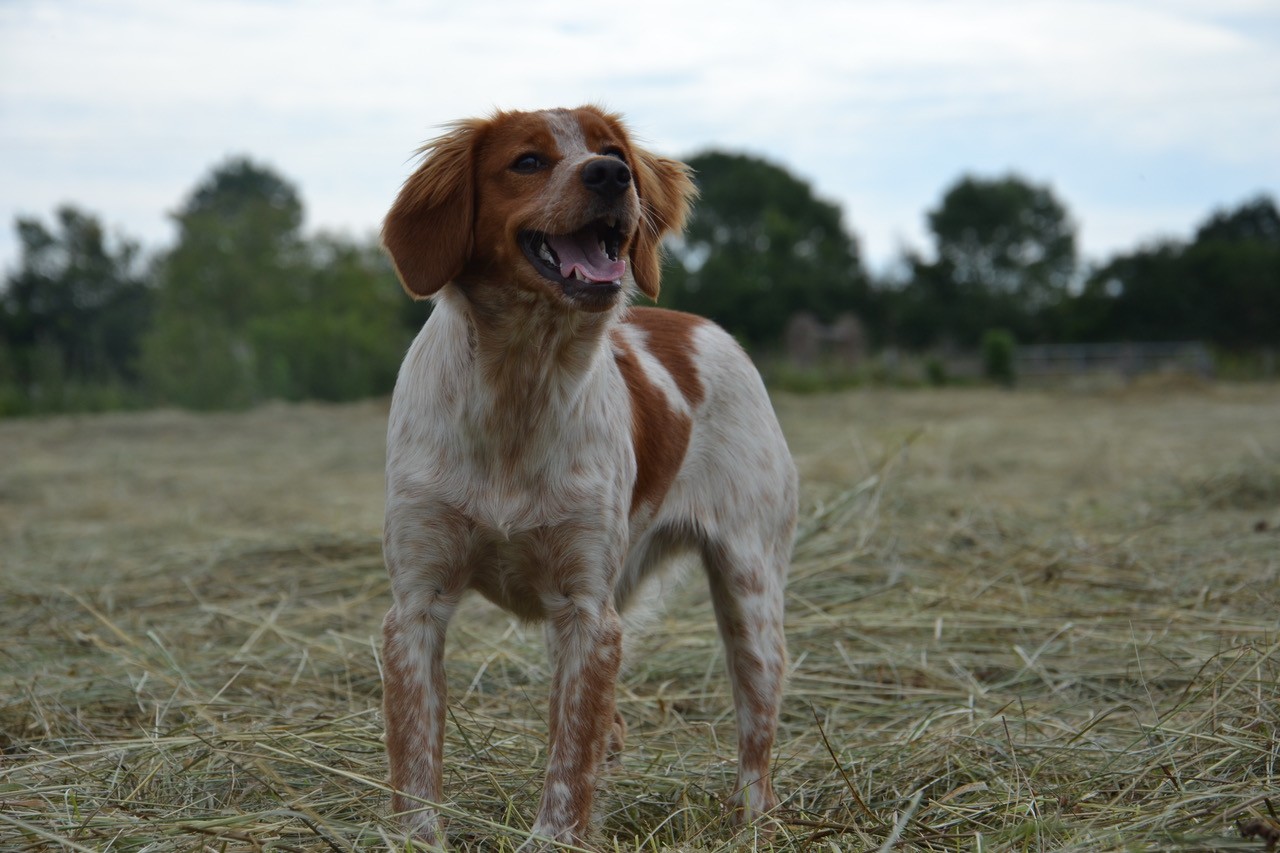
582,252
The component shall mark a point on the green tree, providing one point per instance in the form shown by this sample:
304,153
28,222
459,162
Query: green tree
760,247
1005,254
1254,221
71,314
1143,295
344,340
1006,236
250,310
1235,262
931,306
239,258
1222,287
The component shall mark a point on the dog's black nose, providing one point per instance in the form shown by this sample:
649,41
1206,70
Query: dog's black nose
607,176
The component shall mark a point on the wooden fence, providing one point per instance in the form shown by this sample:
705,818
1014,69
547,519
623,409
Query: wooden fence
1121,359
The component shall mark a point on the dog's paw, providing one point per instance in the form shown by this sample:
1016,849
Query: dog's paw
423,823
544,839
753,805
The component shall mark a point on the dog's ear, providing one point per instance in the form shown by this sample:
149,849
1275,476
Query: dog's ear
666,191
428,231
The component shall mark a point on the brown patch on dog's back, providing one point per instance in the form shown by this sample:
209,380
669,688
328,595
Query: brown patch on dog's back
659,434
669,339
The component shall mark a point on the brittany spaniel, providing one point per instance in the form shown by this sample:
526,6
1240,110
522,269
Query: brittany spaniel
551,447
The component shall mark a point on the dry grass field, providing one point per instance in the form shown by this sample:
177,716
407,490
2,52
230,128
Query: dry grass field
1018,621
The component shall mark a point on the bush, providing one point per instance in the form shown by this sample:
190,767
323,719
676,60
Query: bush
935,372
998,348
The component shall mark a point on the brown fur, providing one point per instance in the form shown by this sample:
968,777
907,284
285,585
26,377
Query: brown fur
659,434
669,338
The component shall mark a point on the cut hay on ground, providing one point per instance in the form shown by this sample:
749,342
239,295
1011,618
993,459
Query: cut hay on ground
1017,622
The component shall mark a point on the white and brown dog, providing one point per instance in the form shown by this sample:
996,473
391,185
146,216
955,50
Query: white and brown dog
551,446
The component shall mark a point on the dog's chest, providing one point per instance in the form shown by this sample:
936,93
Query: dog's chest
535,530
508,471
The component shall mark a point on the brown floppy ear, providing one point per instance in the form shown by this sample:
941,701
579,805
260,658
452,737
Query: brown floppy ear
428,230
666,192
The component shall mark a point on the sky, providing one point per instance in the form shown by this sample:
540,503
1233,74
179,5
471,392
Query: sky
1143,116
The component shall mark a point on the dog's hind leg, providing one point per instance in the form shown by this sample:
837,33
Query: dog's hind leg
747,589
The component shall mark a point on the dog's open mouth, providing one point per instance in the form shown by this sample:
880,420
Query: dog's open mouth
588,256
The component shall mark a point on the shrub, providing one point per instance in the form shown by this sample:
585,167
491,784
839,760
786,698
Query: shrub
998,348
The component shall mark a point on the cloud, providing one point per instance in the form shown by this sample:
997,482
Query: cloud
878,104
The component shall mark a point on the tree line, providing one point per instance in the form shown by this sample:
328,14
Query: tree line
761,247
245,307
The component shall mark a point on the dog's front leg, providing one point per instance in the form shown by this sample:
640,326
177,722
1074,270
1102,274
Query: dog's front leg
426,587
585,640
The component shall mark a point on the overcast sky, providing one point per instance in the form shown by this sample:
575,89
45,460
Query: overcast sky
1142,115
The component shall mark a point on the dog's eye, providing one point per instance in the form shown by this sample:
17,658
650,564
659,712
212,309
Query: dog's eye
614,152
527,164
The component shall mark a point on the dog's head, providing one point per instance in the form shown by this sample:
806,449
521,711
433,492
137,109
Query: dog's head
554,202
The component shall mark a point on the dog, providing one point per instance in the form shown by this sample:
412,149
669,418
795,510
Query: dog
551,446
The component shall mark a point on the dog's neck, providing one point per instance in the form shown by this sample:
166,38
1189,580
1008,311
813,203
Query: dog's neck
524,359
533,338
